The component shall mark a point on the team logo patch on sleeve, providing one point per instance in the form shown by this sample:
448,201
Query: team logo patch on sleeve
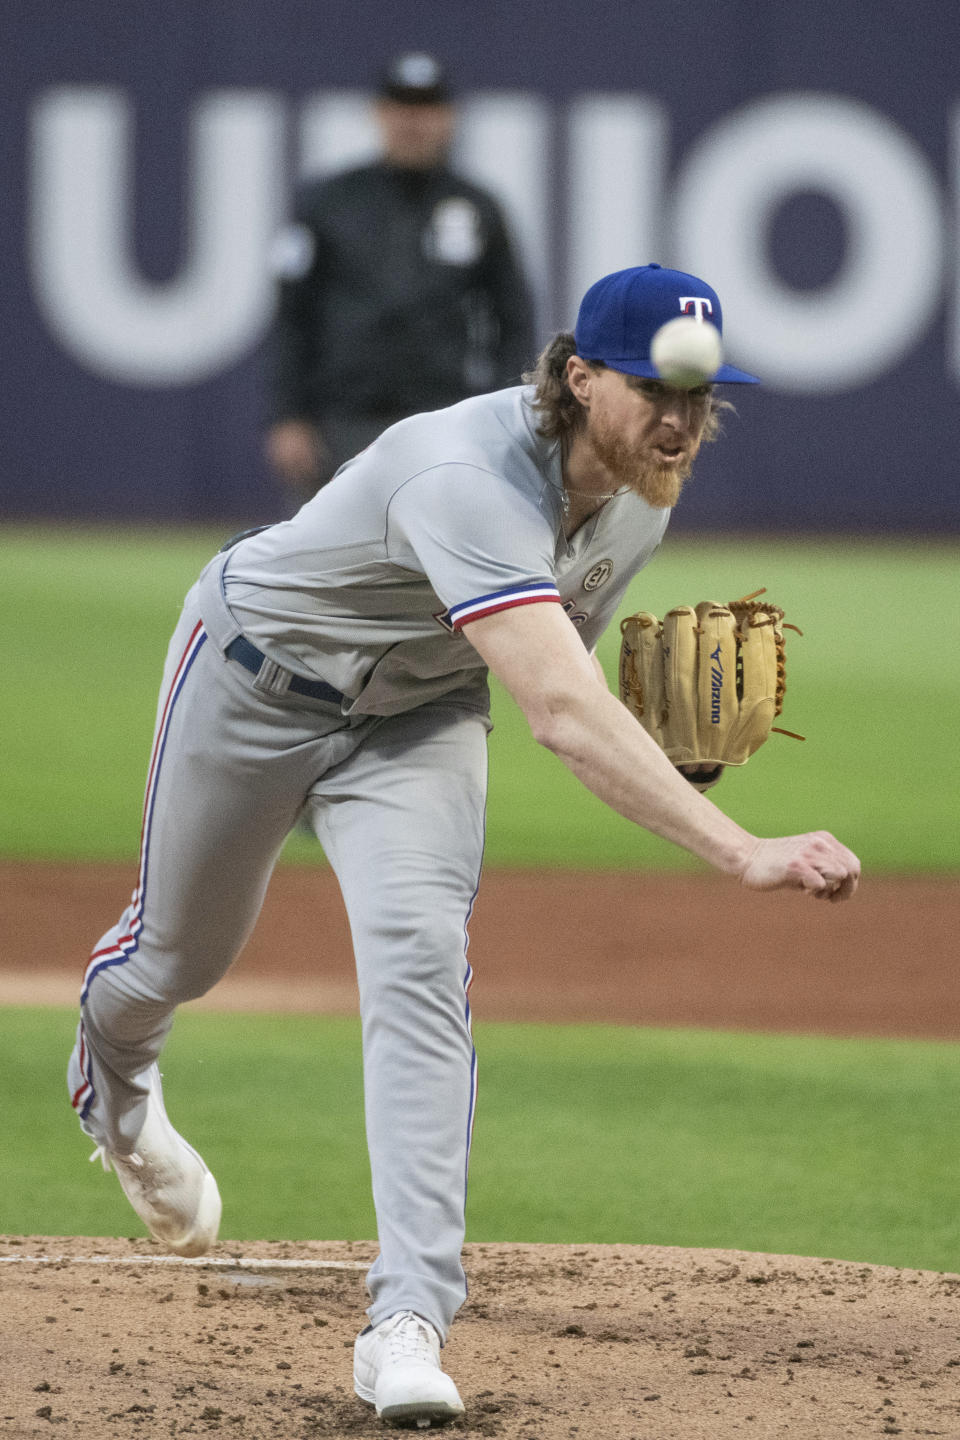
599,575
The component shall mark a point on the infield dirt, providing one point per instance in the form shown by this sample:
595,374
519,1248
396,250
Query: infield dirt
591,1342
634,949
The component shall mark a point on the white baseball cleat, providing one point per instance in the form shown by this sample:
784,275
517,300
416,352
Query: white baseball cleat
396,1367
167,1183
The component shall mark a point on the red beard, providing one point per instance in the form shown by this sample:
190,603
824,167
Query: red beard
659,485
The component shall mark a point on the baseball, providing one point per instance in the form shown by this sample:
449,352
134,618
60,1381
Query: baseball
686,351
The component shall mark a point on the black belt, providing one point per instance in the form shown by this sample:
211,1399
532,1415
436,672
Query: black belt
252,659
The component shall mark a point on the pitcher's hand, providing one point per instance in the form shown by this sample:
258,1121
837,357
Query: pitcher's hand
816,863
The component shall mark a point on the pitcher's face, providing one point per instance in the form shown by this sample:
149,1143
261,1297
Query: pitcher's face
646,433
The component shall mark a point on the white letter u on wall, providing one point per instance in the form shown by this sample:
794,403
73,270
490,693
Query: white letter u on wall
99,308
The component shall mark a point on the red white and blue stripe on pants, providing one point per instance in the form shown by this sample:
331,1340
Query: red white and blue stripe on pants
119,951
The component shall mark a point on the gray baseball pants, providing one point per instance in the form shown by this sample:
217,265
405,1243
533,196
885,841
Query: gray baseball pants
398,805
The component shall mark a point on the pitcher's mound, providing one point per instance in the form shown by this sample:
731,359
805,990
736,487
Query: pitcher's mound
116,1338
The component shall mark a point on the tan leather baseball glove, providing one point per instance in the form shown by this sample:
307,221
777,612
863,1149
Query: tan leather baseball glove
706,682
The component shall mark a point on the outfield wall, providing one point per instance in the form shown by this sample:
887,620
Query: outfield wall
804,159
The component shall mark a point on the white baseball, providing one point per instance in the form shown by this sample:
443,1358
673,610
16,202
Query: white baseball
687,351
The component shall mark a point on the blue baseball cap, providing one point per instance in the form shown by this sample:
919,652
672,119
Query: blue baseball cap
621,313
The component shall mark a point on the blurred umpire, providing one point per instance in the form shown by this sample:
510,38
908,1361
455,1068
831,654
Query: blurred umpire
399,290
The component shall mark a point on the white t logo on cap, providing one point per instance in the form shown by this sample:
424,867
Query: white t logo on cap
699,305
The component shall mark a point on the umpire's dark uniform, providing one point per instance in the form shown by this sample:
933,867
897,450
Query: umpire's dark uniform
398,291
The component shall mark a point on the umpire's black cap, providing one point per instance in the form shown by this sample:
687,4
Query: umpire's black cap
415,78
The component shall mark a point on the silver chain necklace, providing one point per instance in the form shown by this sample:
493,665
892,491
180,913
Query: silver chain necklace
602,496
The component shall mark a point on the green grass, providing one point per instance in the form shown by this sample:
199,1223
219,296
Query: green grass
828,1147
89,613
874,684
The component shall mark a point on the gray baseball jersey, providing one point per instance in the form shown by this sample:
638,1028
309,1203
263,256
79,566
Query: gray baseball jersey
447,517
360,598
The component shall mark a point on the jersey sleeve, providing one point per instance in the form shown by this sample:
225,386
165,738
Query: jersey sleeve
483,546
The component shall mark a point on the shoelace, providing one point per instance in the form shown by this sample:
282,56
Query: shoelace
410,1340
103,1155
